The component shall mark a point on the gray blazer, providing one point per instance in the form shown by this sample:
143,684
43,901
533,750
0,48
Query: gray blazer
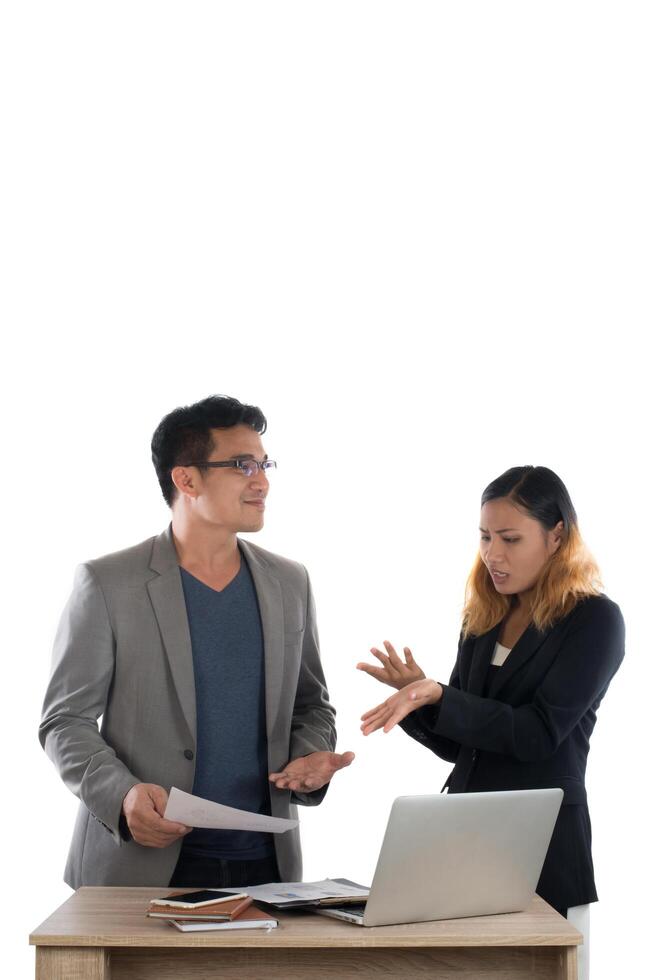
123,653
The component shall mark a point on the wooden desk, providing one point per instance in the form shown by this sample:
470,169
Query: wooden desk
103,934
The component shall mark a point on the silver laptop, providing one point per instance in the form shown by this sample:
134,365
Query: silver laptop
456,855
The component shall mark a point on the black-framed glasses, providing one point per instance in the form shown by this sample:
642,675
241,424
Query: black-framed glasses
248,467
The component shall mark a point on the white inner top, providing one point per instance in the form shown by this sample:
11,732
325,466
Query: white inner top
500,654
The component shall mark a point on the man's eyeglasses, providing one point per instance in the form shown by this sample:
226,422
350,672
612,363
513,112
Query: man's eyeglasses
248,467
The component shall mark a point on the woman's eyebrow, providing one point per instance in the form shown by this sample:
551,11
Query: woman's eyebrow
501,530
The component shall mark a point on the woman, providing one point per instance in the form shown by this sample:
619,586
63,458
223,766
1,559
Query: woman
538,648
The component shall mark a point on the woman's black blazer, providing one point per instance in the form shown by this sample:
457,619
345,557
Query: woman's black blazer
533,728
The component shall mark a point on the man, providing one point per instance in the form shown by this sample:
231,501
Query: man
200,652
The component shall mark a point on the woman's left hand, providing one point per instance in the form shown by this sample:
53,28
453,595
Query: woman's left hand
387,714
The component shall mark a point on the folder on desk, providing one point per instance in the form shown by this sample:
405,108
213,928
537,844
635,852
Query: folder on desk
218,912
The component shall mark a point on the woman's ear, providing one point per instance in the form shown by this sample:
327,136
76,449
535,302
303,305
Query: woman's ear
556,536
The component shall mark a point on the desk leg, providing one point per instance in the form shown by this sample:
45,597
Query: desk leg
568,963
72,963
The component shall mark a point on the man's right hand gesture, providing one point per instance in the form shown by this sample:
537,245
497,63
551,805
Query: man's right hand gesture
143,808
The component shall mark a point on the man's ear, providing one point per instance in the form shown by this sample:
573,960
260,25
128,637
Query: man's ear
185,481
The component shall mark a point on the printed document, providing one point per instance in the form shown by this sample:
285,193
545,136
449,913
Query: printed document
289,893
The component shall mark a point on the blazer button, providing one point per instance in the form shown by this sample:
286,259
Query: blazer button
474,755
188,754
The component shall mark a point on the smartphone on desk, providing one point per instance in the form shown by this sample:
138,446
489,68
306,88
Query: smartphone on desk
194,900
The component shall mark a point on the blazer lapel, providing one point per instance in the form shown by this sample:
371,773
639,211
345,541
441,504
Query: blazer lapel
481,658
271,609
167,597
523,651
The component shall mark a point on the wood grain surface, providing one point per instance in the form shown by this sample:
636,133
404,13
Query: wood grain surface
116,917
104,934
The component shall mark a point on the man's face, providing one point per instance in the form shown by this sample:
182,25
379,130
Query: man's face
225,497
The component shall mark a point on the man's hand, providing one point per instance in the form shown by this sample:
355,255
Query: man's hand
310,772
395,672
387,714
144,807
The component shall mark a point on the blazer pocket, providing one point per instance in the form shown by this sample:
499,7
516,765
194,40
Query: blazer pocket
293,627
293,639
295,614
574,790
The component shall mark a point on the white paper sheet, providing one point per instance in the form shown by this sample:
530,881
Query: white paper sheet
196,812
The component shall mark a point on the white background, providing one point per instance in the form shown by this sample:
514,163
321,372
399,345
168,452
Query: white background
419,236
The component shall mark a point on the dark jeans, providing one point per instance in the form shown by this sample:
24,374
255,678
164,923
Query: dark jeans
195,871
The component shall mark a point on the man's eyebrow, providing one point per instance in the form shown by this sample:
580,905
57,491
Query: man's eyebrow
247,456
501,530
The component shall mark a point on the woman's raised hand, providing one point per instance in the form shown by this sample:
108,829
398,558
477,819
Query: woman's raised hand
394,671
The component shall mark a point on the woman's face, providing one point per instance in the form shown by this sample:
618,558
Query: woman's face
514,547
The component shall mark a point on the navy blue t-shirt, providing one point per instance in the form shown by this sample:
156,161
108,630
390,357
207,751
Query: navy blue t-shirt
231,758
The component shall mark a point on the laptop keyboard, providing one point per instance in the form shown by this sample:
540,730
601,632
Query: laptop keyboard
356,910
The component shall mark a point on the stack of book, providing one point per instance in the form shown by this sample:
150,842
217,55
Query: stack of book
186,913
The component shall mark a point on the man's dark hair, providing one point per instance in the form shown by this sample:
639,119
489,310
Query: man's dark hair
185,434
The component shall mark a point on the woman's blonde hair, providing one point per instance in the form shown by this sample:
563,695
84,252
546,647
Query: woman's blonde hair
568,576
